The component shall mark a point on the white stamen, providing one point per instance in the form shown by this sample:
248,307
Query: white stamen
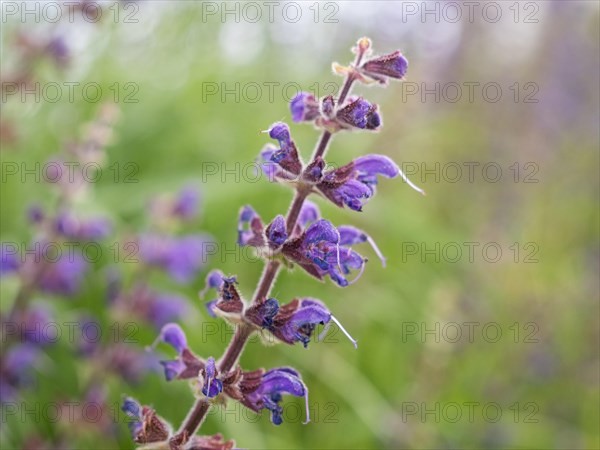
337,322
410,183
376,249
362,269
306,405
321,336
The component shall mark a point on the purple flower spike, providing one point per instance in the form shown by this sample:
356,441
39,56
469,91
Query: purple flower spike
350,235
304,107
276,232
359,113
381,68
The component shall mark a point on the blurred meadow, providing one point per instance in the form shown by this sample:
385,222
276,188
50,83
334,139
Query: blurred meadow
483,329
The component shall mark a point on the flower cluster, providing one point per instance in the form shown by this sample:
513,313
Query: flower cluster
52,266
302,238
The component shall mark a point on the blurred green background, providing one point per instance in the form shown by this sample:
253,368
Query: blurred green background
403,386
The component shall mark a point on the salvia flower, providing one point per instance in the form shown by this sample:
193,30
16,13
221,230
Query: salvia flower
355,183
266,390
304,107
287,154
295,321
359,113
211,386
251,230
229,304
145,426
317,250
186,365
384,67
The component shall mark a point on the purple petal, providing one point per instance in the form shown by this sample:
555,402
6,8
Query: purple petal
370,165
276,232
304,107
280,132
309,213
173,335
350,235
321,231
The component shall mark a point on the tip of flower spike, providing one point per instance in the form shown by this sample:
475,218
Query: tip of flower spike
363,44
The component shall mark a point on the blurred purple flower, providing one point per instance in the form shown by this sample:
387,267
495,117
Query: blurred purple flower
186,203
64,276
70,226
182,258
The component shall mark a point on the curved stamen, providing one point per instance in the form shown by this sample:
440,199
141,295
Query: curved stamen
410,183
362,269
306,405
376,249
337,322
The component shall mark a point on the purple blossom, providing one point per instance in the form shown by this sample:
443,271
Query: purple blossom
359,113
353,184
294,322
9,259
186,365
381,68
70,226
35,214
16,369
276,233
64,276
182,258
250,228
211,386
328,107
304,107
166,307
186,203
287,154
145,426
269,392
